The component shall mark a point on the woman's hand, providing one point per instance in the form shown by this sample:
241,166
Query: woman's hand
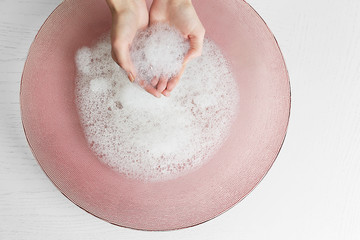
182,15
128,16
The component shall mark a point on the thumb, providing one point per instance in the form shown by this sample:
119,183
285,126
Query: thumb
121,55
196,44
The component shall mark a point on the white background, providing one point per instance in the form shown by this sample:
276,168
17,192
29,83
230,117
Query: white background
311,192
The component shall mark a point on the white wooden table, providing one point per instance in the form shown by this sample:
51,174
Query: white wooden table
311,192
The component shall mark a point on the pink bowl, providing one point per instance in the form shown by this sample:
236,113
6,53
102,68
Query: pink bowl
55,135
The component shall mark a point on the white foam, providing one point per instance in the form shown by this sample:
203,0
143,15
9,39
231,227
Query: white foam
158,50
99,85
149,138
83,56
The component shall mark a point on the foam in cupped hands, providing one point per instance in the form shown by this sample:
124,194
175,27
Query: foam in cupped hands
158,51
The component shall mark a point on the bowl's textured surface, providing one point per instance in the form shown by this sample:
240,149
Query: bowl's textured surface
55,136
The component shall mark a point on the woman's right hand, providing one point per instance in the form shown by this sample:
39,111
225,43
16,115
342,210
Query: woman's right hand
182,15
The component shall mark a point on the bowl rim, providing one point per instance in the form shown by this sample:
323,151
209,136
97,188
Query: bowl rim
289,97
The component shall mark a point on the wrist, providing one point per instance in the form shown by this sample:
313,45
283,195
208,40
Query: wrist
121,5
172,2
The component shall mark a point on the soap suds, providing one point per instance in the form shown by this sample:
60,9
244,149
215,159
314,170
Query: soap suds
148,138
158,51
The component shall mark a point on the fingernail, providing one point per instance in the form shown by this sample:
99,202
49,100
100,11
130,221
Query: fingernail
131,76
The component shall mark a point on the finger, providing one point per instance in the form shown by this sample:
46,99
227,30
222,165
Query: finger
162,84
173,81
166,93
150,89
154,81
142,83
121,55
196,45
